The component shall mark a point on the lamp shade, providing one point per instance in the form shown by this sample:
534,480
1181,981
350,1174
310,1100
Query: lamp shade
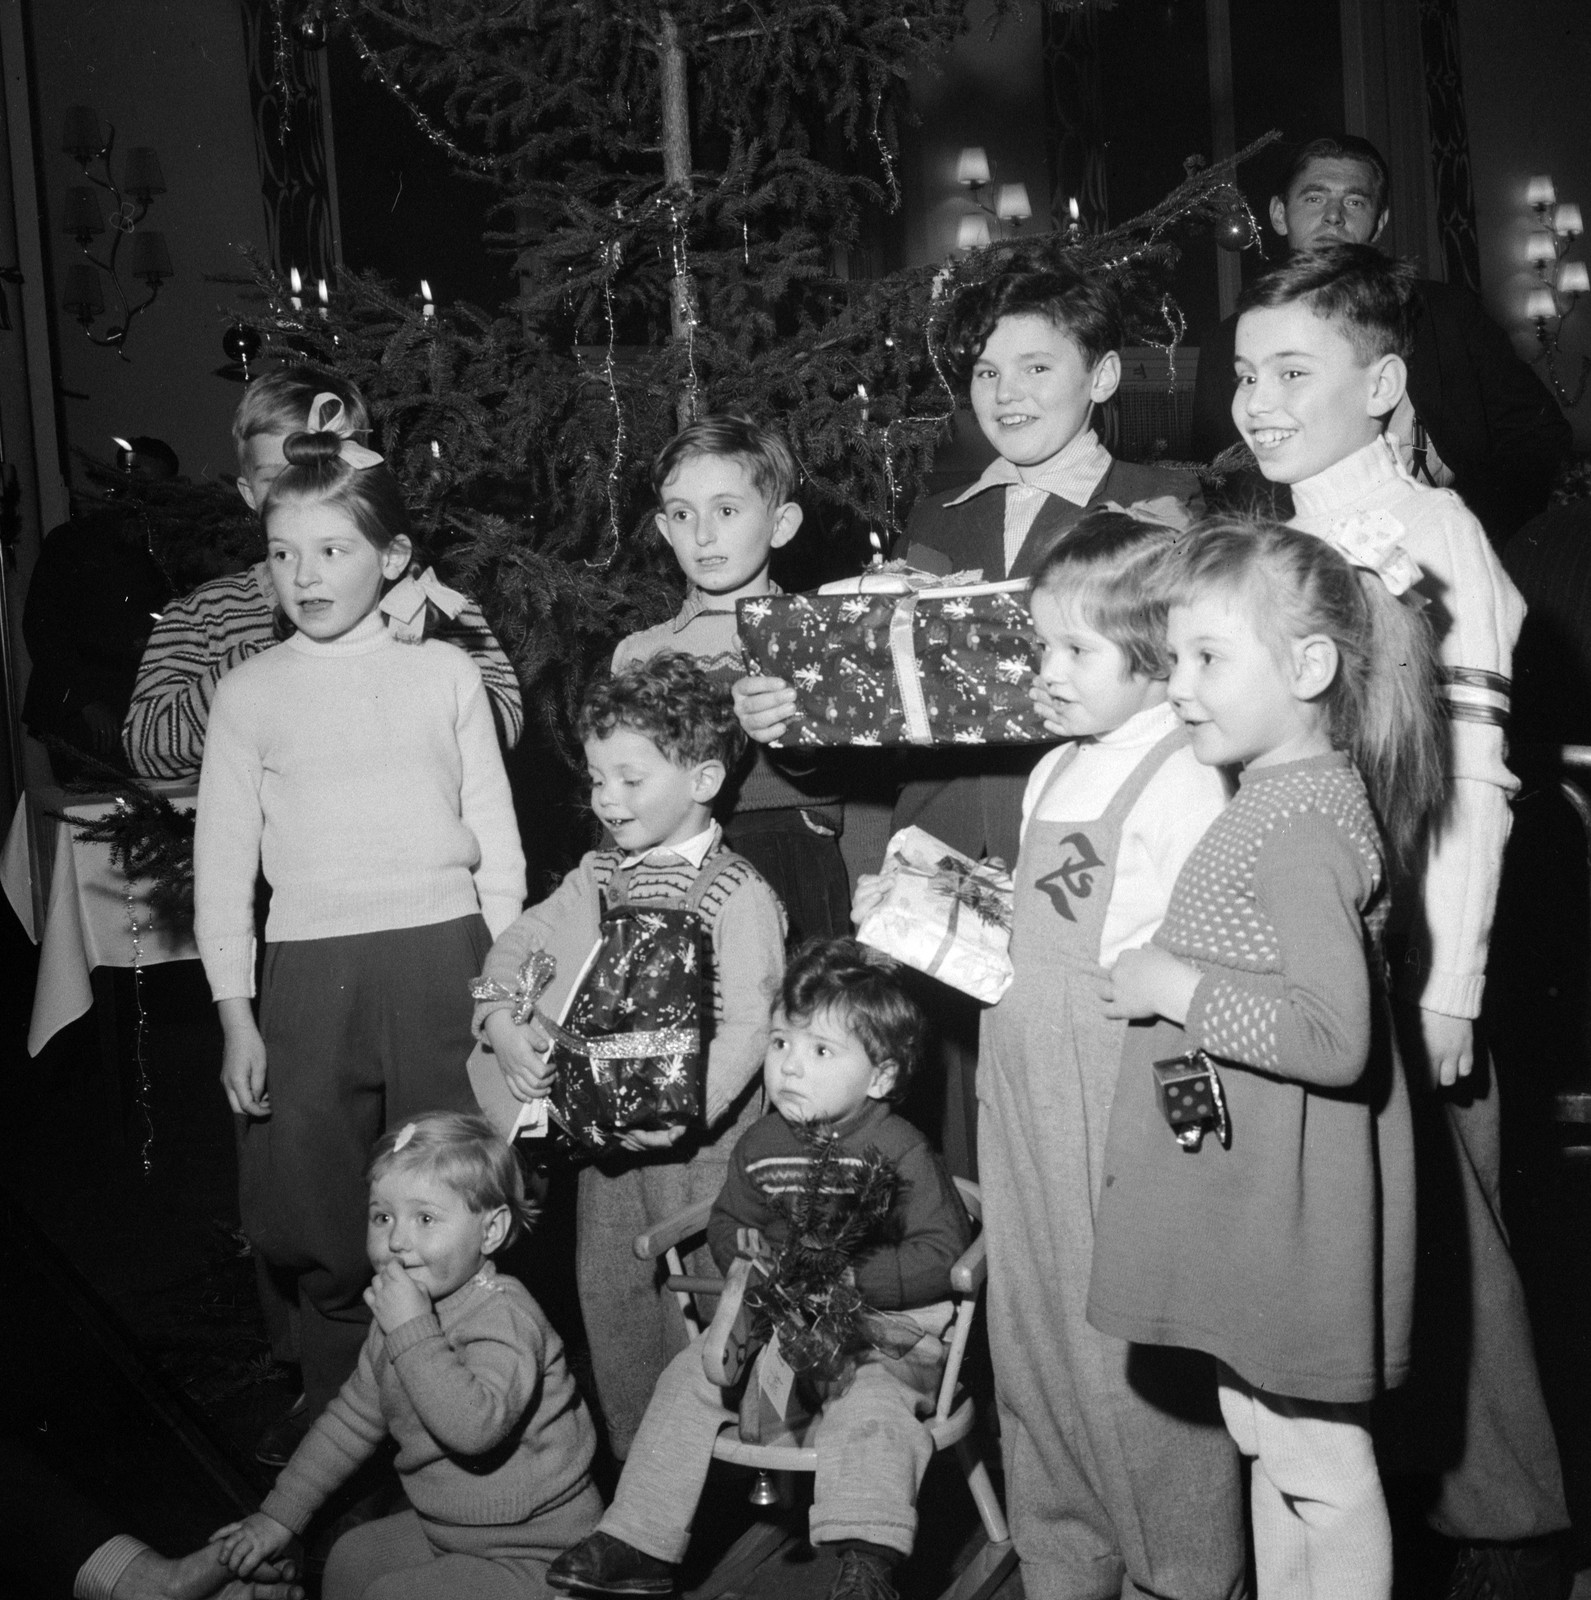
151,261
972,233
1574,278
973,165
80,215
84,296
80,134
1540,192
1540,306
144,178
1012,204
1541,248
1566,220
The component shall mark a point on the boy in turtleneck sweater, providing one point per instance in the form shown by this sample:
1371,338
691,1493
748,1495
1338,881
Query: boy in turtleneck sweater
1320,369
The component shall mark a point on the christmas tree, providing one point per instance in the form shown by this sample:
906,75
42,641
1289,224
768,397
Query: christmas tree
679,187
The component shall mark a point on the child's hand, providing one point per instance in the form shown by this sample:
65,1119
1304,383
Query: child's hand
395,1298
1044,704
521,1049
870,889
640,1139
750,1243
764,707
243,1060
1150,982
244,1545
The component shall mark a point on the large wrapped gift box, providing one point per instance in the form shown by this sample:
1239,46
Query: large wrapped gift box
944,914
929,666
628,1050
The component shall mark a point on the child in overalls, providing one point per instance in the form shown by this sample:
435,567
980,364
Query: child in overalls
1119,1476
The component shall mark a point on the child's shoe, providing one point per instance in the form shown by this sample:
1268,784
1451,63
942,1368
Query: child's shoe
864,1576
601,1564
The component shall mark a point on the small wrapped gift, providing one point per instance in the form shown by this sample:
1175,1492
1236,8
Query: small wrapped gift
628,1052
909,665
944,914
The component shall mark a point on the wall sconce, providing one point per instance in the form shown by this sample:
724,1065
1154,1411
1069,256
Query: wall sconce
148,258
974,172
1553,301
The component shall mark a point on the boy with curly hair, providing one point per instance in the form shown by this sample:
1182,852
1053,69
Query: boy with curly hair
660,738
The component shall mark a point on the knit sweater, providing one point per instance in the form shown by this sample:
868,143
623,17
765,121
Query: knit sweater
928,1228
489,1424
745,926
203,636
1289,1255
1477,613
766,780
364,777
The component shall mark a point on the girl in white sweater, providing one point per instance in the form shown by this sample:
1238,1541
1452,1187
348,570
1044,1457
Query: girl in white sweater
356,769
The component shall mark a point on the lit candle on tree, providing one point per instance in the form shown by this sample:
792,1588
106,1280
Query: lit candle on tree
295,280
323,295
428,310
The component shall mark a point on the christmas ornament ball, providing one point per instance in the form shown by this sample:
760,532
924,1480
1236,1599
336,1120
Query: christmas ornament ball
240,343
1233,232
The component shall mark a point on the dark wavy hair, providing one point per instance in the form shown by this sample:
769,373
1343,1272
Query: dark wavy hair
369,496
1368,296
733,434
863,986
1087,310
1339,147
463,1151
686,712
1109,567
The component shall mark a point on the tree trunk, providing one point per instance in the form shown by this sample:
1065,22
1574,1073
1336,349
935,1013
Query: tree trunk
677,173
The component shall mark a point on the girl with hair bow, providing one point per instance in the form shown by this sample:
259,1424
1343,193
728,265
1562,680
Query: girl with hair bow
364,781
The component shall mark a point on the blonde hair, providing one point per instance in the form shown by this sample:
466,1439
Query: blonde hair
1383,707
462,1150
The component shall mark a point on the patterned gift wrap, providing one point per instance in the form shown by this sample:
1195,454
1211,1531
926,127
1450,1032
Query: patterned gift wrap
944,914
938,666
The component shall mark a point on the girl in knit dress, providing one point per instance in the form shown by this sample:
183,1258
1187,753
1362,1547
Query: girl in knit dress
463,1372
361,776
1283,1244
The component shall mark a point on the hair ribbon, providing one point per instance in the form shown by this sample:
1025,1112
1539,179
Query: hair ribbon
1164,511
404,604
327,414
403,1138
1373,542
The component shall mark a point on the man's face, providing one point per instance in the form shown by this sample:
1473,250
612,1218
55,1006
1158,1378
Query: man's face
1332,201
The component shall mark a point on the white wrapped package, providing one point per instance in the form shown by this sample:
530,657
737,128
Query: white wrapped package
944,914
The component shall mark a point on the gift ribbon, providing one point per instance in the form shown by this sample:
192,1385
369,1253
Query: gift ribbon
967,887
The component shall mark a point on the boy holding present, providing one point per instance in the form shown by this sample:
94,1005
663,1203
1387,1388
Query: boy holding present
845,1038
1320,362
725,488
659,739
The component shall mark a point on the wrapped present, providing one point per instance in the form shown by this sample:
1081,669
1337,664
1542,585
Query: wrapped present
901,664
944,914
628,1051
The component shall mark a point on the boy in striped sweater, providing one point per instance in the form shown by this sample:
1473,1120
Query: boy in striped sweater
659,739
201,637
844,1041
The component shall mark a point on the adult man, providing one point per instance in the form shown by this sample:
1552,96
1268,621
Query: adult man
1475,418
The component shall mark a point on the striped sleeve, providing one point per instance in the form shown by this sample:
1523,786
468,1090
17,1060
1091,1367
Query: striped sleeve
198,640
473,635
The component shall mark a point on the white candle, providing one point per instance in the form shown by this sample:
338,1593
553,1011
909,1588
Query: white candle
429,309
296,281
325,298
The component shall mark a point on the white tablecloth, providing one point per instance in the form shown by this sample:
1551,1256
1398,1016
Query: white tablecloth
86,921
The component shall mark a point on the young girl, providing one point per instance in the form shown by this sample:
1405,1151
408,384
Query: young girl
361,775
463,1371
1283,1246
1113,1482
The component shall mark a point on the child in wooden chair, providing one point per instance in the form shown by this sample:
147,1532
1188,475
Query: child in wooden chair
845,1039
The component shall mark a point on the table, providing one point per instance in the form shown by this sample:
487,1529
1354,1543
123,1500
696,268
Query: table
85,905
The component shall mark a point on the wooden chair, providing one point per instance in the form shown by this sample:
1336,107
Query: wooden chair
950,1426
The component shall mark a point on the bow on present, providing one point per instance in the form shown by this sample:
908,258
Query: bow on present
967,884
1373,542
327,414
405,602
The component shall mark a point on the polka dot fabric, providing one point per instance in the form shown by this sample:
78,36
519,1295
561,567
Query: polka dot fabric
1216,920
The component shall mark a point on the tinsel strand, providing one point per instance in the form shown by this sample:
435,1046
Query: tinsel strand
140,1034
